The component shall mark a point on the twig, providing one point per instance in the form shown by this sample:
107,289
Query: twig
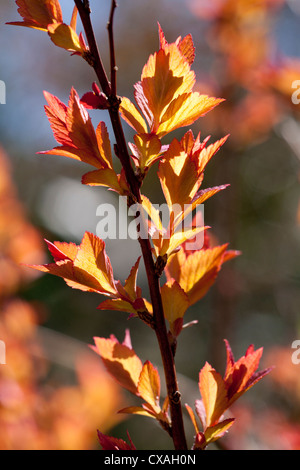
178,434
113,67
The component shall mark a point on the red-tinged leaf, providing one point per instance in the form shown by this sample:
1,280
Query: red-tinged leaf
149,385
56,112
72,128
62,35
104,144
200,442
214,394
90,100
200,410
213,433
120,361
38,14
196,272
178,175
187,49
58,254
112,443
85,267
240,376
175,302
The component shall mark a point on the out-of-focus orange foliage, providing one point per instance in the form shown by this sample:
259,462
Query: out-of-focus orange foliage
20,242
257,88
35,414
268,429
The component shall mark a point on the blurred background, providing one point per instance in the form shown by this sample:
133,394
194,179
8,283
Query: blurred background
54,393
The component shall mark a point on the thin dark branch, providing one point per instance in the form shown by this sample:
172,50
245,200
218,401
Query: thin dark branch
84,11
113,67
159,325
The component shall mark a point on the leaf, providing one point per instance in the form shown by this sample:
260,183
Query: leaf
214,394
240,376
120,361
178,175
112,443
175,303
185,110
213,433
72,128
173,243
196,272
62,35
38,14
149,385
92,258
148,149
85,267
104,177
130,285
193,418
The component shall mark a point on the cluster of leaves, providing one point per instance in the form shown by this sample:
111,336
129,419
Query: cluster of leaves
165,101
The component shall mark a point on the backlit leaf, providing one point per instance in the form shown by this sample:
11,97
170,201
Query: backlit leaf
149,385
120,361
214,394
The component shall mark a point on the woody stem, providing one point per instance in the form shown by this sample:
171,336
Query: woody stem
178,433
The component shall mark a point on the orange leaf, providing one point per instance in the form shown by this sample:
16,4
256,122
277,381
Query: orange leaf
165,93
85,267
147,149
149,385
72,128
178,175
132,116
104,177
175,302
185,110
214,394
196,272
112,443
38,14
120,361
118,305
62,35
137,410
213,433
